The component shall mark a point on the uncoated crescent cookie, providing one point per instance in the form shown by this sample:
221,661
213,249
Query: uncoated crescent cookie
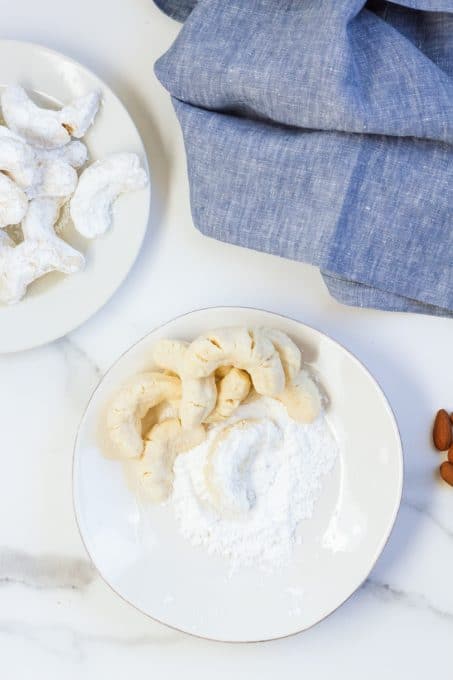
199,395
130,405
242,348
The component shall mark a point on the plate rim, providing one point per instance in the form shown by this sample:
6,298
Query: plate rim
144,158
385,538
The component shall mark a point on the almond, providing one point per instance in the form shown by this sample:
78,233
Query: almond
451,417
450,454
442,431
446,472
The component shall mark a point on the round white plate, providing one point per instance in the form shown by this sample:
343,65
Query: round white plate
56,304
143,558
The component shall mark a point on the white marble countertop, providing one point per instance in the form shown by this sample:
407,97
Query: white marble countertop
57,618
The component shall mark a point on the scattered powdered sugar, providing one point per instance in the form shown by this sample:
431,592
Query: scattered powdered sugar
242,493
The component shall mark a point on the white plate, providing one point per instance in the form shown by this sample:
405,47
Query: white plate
57,304
144,559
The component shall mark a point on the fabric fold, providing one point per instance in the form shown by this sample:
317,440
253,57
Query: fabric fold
176,9
323,132
318,67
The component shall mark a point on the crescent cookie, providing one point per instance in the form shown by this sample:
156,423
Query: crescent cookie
302,398
164,443
249,350
130,406
199,395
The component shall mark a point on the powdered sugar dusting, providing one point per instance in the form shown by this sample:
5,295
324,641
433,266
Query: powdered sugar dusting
247,508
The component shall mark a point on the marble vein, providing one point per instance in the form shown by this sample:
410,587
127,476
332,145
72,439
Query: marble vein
424,511
385,591
68,346
44,571
65,641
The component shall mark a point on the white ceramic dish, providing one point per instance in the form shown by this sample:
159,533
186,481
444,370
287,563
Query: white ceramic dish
143,558
56,304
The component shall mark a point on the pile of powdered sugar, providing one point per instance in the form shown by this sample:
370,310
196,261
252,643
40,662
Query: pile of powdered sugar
246,502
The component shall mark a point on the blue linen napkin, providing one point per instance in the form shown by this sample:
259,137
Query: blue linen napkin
322,131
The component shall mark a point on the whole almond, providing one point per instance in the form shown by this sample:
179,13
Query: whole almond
446,472
442,431
450,454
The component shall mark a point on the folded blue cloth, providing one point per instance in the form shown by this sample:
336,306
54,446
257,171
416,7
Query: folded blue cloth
322,131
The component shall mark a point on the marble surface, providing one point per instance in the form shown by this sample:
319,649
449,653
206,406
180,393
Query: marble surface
57,618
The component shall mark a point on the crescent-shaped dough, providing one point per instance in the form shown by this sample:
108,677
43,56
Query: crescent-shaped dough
166,410
243,348
290,354
164,443
199,395
302,398
232,389
129,407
